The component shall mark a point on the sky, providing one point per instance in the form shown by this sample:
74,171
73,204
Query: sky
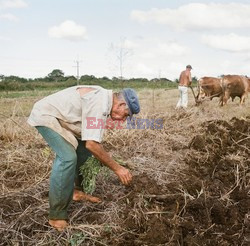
148,38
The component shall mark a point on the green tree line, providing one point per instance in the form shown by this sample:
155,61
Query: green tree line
56,79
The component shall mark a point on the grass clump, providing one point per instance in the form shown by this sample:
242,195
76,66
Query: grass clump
89,171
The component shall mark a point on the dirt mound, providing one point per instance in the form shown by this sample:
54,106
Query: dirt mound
148,213
219,163
209,205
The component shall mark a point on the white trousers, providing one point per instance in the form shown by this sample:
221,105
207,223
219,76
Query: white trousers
183,101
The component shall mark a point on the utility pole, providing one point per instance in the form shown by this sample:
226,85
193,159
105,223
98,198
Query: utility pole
77,70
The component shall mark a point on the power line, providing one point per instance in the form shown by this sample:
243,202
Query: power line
77,70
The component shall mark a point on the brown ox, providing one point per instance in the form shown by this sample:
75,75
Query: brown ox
234,86
248,80
209,87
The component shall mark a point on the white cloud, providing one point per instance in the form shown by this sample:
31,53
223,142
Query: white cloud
9,17
123,44
68,30
148,54
198,16
5,4
156,48
128,44
230,42
154,56
172,48
143,69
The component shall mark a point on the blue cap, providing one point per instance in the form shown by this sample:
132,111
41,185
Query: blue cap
132,101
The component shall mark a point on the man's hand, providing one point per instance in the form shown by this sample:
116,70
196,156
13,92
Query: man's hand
98,151
124,175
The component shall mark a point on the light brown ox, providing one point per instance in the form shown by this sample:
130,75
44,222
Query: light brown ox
209,87
234,86
248,80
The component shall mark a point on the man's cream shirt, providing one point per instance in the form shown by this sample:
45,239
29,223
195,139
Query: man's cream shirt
66,113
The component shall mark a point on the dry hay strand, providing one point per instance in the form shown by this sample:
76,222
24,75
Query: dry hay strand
209,205
149,150
24,159
24,220
181,194
217,190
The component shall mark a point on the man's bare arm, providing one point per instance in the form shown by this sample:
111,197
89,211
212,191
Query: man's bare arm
98,151
189,77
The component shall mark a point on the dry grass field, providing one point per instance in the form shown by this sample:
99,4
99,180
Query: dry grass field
190,187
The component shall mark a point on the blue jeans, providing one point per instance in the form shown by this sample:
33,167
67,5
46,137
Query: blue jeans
65,171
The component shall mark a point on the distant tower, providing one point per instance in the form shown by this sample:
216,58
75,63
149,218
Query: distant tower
77,70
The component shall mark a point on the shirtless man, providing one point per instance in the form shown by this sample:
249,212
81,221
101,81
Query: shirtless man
184,82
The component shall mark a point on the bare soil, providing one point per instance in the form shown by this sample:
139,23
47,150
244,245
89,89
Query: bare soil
209,205
205,200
